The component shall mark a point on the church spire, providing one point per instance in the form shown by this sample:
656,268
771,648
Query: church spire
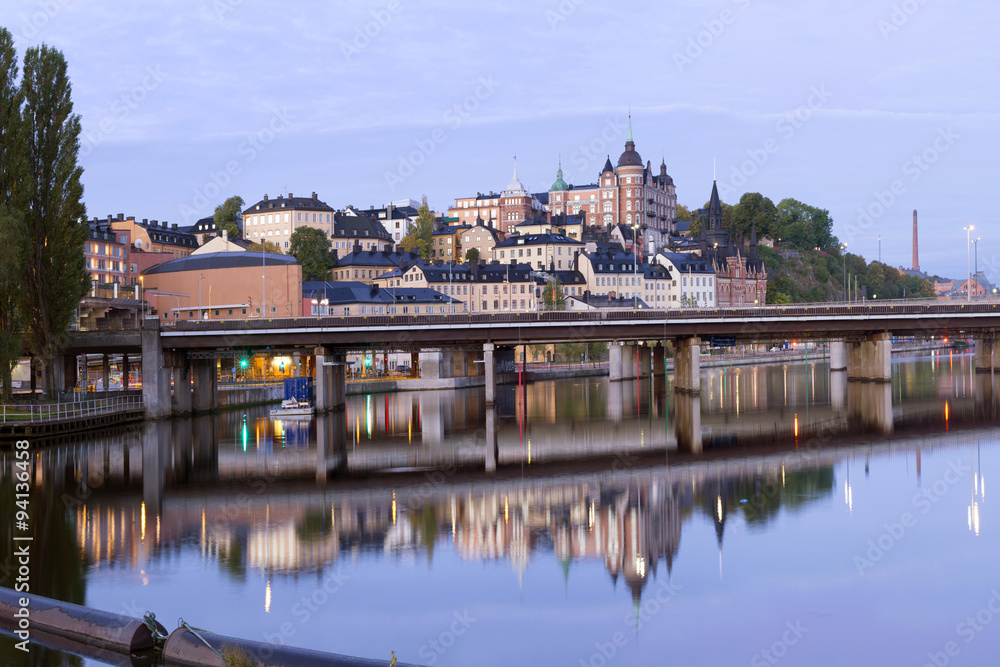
629,138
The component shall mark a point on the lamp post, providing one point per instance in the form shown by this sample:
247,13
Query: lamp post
200,276
843,247
968,261
142,301
263,283
976,274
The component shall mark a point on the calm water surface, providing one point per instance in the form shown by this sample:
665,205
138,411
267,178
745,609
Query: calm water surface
824,522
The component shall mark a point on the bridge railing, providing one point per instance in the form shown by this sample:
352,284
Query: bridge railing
46,412
863,309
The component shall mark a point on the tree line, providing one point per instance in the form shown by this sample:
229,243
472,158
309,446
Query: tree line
43,221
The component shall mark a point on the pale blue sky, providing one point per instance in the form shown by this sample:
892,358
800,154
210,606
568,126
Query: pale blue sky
439,96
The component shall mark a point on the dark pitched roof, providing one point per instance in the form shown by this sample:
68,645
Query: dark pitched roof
220,260
289,202
349,292
359,227
536,239
630,158
607,166
687,262
565,277
542,197
375,258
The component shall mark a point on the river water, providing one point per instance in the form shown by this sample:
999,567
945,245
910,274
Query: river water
801,519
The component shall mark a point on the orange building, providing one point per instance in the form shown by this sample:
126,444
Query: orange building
225,285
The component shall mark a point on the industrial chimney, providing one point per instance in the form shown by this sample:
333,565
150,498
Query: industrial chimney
916,261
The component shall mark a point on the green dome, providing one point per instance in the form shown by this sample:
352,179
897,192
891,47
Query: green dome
560,184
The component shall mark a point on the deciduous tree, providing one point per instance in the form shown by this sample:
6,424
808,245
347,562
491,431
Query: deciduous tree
229,216
13,188
55,278
311,248
420,233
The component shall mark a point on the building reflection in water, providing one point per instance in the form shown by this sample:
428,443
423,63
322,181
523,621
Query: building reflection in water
608,472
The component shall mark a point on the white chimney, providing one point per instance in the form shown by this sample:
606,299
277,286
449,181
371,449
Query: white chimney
225,235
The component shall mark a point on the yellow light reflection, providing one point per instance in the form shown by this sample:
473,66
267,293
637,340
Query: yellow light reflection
267,598
394,508
333,518
506,510
591,517
640,566
796,424
718,507
974,518
142,520
529,451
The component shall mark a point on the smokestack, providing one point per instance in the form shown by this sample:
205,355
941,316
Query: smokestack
916,261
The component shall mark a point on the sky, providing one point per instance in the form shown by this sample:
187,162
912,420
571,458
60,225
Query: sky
867,108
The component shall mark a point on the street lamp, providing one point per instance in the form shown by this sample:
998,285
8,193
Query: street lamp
200,276
968,261
976,274
142,302
843,247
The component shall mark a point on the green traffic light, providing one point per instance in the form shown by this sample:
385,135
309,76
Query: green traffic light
243,363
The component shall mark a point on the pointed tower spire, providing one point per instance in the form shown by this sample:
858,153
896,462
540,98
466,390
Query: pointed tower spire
629,138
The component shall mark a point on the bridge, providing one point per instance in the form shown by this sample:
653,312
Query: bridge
463,345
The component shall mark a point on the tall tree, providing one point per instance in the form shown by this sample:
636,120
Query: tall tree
13,189
472,255
419,234
803,226
553,295
753,209
311,248
55,278
229,216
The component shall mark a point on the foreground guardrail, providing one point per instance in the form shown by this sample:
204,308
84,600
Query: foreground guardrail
49,412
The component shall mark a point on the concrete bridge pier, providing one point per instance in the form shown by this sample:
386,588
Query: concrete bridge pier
206,384
870,405
106,374
64,368
615,361
870,359
838,355
330,380
155,376
182,385
687,369
987,355
687,422
436,363
490,370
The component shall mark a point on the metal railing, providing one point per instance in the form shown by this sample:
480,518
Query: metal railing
48,412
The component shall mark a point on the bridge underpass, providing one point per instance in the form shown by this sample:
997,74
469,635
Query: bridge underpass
180,368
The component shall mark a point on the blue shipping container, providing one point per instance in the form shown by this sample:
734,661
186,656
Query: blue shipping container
301,389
